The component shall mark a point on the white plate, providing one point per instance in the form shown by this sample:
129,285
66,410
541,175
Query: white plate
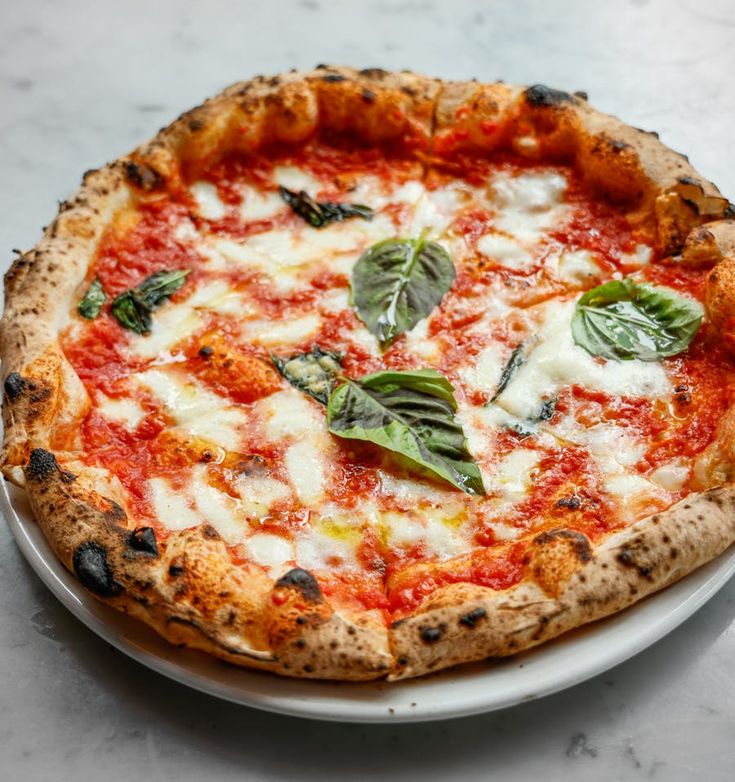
468,690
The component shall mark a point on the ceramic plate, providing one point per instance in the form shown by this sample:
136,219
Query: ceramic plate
471,689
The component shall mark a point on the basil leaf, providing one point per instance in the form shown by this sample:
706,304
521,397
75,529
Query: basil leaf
315,373
411,414
133,308
397,282
91,304
624,320
516,360
321,213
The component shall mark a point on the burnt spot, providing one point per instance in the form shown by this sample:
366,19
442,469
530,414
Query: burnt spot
687,180
402,661
93,570
14,386
626,557
541,95
430,635
374,73
175,569
397,623
304,581
195,125
209,532
368,95
142,177
206,352
333,77
42,464
573,502
580,543
729,211
617,144
143,540
471,618
581,94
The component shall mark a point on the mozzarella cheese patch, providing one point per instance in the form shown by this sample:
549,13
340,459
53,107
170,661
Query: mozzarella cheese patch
194,409
528,204
556,362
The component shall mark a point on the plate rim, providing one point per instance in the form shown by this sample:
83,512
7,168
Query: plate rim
695,590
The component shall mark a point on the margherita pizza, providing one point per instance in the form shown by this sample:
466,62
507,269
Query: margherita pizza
364,374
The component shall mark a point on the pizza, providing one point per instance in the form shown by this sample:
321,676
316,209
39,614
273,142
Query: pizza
351,375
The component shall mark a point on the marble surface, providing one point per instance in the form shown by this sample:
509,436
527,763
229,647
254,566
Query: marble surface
81,83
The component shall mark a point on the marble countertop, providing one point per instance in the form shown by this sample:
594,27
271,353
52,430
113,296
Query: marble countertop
82,82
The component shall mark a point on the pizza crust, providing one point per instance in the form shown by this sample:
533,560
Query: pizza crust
187,587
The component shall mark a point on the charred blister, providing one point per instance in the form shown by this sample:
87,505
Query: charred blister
14,386
430,635
42,464
142,177
541,95
304,581
143,540
93,570
471,618
333,77
627,557
580,543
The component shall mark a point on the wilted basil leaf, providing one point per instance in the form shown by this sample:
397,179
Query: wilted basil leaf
91,304
321,213
133,308
315,373
411,414
624,319
516,360
397,282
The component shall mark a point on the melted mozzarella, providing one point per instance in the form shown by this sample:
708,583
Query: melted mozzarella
123,410
505,251
578,267
296,179
289,414
171,507
556,361
209,204
271,551
258,493
305,461
282,333
512,479
528,204
217,508
259,205
195,409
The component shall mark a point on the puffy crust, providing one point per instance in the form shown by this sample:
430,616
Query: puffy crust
664,192
186,586
567,585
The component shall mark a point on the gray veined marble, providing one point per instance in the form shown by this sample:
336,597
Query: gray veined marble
82,82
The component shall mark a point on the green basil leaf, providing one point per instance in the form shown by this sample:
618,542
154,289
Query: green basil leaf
321,213
516,360
133,308
411,414
397,282
624,319
91,304
315,373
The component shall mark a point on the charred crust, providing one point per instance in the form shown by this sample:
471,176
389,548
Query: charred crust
580,543
143,540
14,386
42,464
333,77
206,351
209,532
93,570
142,177
471,618
368,95
541,95
374,73
687,180
581,94
430,635
397,623
626,557
175,569
304,582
